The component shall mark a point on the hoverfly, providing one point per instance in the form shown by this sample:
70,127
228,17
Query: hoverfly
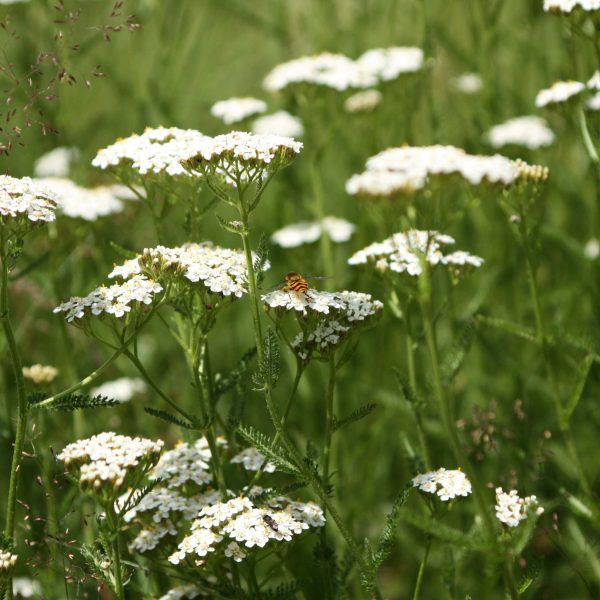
271,522
294,282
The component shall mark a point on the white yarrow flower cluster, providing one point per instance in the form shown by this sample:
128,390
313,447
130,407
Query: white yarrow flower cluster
352,306
279,123
157,151
559,93
235,110
184,463
307,232
341,73
252,460
567,6
149,538
220,270
447,485
25,200
399,171
78,202
8,560
326,336
122,389
403,253
40,374
531,132
365,101
468,83
511,509
56,163
239,522
105,460
116,300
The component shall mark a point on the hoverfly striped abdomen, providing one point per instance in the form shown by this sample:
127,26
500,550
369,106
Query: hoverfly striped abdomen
294,282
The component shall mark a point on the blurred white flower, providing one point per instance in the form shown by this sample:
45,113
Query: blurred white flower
389,63
385,184
187,592
122,389
235,110
8,560
468,83
252,460
307,232
75,201
26,587
566,6
446,484
365,101
511,509
40,374
531,132
592,249
558,93
593,103
279,123
56,163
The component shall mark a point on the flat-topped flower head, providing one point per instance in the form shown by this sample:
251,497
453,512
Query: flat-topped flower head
117,300
185,463
238,526
253,460
182,592
468,83
559,93
530,132
387,64
156,152
333,71
447,485
405,253
279,123
568,6
83,203
240,156
122,389
511,509
307,232
25,204
220,271
235,110
56,163
40,374
365,101
107,463
375,185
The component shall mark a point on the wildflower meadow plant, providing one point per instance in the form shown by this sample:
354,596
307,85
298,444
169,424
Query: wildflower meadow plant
318,333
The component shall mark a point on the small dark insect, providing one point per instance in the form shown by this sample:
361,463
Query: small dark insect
271,522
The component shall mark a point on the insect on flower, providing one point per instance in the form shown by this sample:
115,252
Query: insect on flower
270,521
294,282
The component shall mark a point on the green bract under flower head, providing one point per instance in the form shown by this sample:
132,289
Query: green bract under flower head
25,204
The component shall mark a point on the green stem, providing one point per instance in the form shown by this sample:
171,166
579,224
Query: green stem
329,419
590,148
447,419
204,388
116,548
421,572
542,341
304,469
15,358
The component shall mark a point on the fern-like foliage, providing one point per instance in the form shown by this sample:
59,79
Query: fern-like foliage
268,370
261,259
72,402
354,416
169,418
236,375
230,226
271,493
264,444
137,496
